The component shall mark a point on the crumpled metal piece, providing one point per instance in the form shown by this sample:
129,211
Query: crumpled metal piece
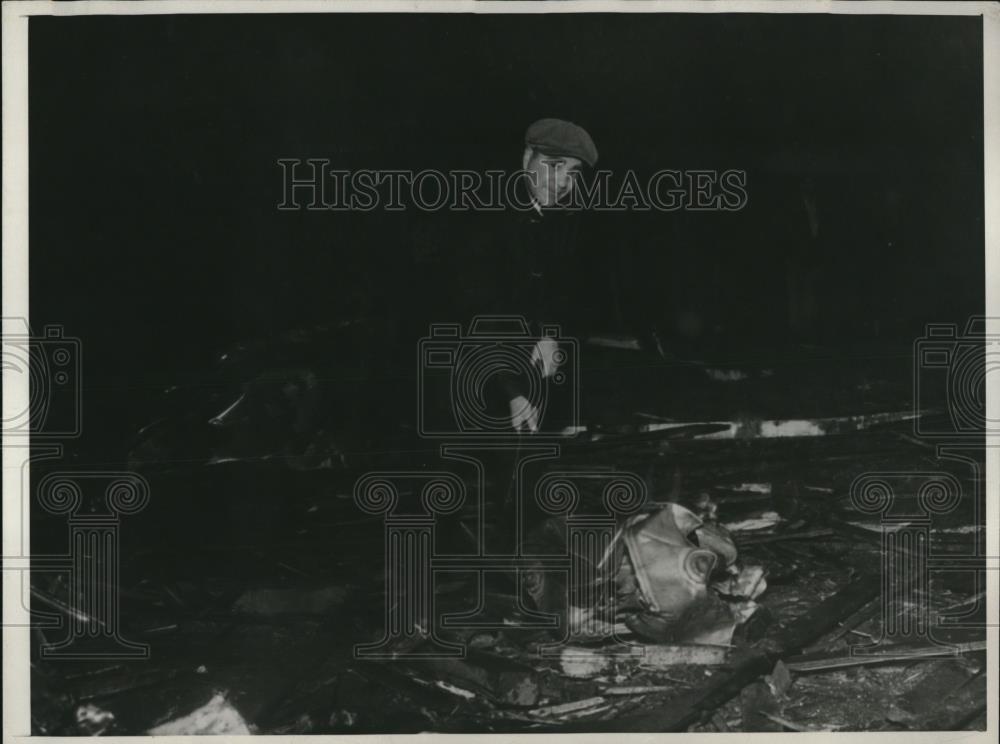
670,570
665,568
675,558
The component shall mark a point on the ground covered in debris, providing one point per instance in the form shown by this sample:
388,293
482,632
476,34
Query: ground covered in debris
253,580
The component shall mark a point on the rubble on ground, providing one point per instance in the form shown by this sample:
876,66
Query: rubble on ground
741,594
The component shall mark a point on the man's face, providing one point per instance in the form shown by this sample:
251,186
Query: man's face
550,178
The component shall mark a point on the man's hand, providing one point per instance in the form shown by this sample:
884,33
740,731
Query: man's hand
546,356
523,415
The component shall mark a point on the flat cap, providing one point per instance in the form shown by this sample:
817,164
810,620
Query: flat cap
558,137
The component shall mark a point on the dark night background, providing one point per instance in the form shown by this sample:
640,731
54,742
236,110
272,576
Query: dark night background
156,240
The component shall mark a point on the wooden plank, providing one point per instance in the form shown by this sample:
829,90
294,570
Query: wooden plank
816,663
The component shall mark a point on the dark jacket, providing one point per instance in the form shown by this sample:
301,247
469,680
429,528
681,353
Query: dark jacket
527,264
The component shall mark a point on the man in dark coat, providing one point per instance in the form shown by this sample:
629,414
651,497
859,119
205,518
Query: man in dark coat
531,266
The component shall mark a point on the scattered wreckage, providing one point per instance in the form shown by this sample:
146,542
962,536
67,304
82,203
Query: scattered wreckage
745,595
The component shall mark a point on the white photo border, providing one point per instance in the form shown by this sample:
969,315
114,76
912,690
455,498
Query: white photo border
16,634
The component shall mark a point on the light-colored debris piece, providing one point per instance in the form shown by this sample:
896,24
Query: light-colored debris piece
455,690
583,663
762,521
94,720
217,716
637,690
661,656
586,663
767,429
587,705
752,488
